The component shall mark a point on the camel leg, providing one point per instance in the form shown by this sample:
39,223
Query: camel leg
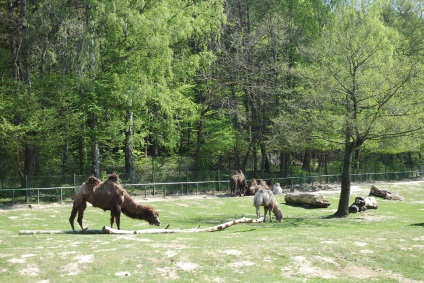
77,208
265,212
118,217
81,214
115,215
112,218
72,217
258,213
271,211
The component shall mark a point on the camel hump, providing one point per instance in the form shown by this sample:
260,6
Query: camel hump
113,178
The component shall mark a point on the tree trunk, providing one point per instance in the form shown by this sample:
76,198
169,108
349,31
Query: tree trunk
285,159
95,152
307,157
246,157
357,159
25,44
82,152
255,161
96,158
128,147
343,208
265,167
197,162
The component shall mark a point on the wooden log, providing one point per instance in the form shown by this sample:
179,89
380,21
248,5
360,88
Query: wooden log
309,199
109,230
374,191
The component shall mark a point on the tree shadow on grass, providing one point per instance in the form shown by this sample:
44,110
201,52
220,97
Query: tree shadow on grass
418,224
304,206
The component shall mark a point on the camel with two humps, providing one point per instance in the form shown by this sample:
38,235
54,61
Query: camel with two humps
256,185
238,180
109,195
267,199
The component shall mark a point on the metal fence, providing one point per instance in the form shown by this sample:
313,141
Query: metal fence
63,194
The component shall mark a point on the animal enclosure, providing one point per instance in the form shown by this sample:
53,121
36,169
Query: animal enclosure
313,246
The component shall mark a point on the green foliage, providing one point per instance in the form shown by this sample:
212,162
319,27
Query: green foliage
362,78
138,78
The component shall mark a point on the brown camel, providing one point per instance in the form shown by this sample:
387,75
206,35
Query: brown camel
238,180
110,196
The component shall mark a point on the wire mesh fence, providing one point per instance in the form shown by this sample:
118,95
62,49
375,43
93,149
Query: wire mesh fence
182,186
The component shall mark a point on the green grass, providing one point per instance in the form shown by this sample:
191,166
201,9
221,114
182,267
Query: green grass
383,245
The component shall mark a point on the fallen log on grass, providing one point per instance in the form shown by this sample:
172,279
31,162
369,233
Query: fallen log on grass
384,194
361,204
308,199
109,230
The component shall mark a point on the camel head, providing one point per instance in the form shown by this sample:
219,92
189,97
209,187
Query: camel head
278,214
152,216
113,178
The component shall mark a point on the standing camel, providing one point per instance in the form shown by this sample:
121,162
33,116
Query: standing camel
238,180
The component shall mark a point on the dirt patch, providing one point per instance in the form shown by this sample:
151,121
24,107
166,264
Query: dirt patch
30,270
237,265
168,273
187,266
231,252
74,267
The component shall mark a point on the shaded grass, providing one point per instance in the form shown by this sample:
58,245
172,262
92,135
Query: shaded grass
383,245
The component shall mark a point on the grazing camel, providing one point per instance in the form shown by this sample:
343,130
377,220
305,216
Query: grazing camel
266,199
110,196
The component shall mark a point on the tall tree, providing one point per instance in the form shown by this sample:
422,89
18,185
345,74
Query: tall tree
364,83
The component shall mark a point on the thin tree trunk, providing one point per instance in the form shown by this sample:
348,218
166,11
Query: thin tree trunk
255,161
197,162
95,152
307,157
285,159
128,147
357,159
82,154
265,166
96,158
25,44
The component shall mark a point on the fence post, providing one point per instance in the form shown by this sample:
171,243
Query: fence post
26,188
186,179
219,179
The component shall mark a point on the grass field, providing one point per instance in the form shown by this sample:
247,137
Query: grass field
383,245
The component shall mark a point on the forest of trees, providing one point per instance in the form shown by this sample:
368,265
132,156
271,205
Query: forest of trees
89,85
